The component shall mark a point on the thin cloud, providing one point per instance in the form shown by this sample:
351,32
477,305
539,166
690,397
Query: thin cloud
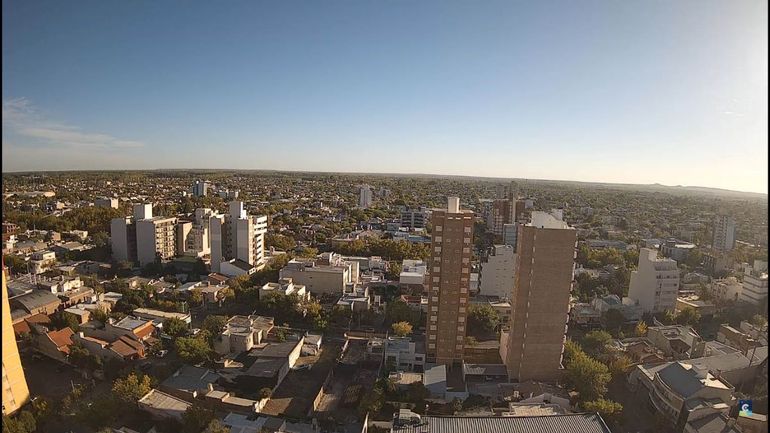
20,117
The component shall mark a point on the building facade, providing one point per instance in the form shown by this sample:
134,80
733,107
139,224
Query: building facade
237,236
754,289
655,282
449,280
724,233
414,218
15,390
365,196
532,348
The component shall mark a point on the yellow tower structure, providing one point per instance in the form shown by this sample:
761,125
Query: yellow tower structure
15,391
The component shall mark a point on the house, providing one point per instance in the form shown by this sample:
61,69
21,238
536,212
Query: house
285,286
188,382
631,312
584,315
41,321
356,299
130,326
236,268
736,338
485,372
413,274
213,293
320,278
55,344
404,354
435,379
678,341
161,405
242,333
42,261
123,348
705,309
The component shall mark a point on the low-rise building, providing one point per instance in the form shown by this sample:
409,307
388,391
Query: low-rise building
356,298
37,301
754,290
285,286
413,274
406,421
404,354
705,309
242,333
55,344
41,261
630,310
320,278
677,341
726,289
158,317
161,405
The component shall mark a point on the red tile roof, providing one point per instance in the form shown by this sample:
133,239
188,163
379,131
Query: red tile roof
62,339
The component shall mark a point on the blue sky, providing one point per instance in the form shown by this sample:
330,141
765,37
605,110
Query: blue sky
612,91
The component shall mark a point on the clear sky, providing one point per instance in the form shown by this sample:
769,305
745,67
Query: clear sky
673,92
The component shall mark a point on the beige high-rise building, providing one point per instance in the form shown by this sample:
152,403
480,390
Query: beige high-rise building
448,281
15,391
532,347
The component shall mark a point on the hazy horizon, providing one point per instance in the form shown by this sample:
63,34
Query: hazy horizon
599,92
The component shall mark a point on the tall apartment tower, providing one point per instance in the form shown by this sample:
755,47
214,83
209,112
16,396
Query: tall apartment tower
365,196
724,233
237,236
200,188
655,282
449,279
532,348
15,390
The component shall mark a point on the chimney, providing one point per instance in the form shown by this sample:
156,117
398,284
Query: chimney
453,204
210,387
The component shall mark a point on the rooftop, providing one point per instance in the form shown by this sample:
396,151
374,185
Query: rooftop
573,423
189,379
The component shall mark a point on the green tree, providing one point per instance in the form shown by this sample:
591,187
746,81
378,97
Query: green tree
758,320
609,410
620,365
688,316
641,329
214,324
399,311
132,388
216,426
16,264
595,342
587,376
613,319
175,327
482,319
23,422
455,405
196,418
402,329
417,392
194,350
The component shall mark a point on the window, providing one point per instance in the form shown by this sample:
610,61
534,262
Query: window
461,328
439,228
436,269
466,250
432,327
459,338
431,346
432,337
467,229
433,318
438,239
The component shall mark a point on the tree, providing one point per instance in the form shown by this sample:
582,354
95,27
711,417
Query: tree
80,357
194,350
619,365
214,324
688,316
216,426
398,311
455,405
609,410
402,329
417,392
99,315
196,418
372,401
482,319
132,388
62,319
175,327
15,263
265,393
595,342
641,329
587,376
24,422
613,319
394,271
758,320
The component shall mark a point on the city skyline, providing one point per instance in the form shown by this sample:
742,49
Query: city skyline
603,92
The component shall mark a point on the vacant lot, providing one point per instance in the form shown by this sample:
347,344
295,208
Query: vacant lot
294,397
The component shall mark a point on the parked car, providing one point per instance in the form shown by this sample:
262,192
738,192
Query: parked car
162,353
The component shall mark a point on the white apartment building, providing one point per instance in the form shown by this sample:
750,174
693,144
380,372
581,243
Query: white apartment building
415,218
655,283
724,233
285,286
754,288
41,261
237,236
200,188
143,237
365,196
195,236
319,278
497,274
412,272
155,237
